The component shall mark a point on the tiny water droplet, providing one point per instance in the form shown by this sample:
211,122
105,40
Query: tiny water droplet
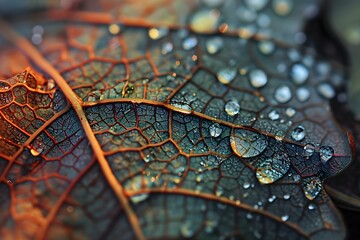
286,196
34,152
285,218
274,115
302,94
232,107
246,185
157,33
282,7
326,90
226,75
311,206
205,21
189,43
299,73
326,152
298,133
186,230
271,199
215,130
290,112
249,216
312,188
214,45
283,94
166,48
266,47
139,198
257,78
114,29
309,149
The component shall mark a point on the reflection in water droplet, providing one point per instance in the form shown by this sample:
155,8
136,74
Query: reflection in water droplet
312,188
189,43
298,133
256,4
283,94
299,73
226,75
303,94
272,169
257,78
139,198
215,130
214,45
285,218
309,149
282,7
326,152
266,47
205,21
247,143
274,115
232,107
326,90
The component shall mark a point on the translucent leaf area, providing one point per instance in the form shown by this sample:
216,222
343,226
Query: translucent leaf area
167,120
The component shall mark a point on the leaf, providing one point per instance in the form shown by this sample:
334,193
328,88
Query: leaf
152,129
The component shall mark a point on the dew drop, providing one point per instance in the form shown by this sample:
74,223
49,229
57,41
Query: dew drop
282,7
303,94
290,112
157,33
205,21
186,230
286,196
298,133
114,29
312,188
271,199
326,90
311,206
326,152
189,43
309,149
139,198
226,75
272,169
247,143
214,45
283,94
274,115
166,48
246,185
285,218
266,47
215,130
256,4
257,78
299,73
232,107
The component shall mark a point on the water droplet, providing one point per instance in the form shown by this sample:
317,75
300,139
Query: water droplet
166,48
274,115
298,133
38,29
114,29
214,45
232,107
283,94
285,218
299,73
157,33
303,94
271,199
249,216
36,38
215,130
256,4
272,169
189,43
311,206
309,149
290,112
205,21
247,143
246,185
312,188
282,7
257,78
183,106
186,230
266,47
226,75
139,198
34,152
286,196
326,152
326,90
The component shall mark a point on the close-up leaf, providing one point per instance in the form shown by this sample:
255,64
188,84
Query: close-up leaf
169,120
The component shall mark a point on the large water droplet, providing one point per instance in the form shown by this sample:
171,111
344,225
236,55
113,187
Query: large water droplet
298,133
214,45
247,143
326,152
189,43
326,90
272,169
266,47
226,75
309,149
274,115
256,4
299,73
205,21
215,130
312,188
303,94
283,94
232,107
257,78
